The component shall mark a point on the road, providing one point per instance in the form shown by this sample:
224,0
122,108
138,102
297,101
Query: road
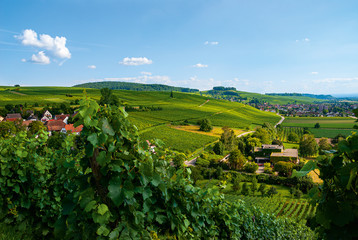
279,122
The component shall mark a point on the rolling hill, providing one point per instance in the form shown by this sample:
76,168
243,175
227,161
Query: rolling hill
154,124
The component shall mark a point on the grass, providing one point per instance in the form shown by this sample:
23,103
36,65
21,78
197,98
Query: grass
336,122
178,140
290,145
330,133
216,132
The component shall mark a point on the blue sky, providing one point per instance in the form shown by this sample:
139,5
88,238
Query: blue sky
257,46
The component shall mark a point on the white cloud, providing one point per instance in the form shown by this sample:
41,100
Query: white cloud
133,61
211,43
199,65
39,58
143,79
304,40
55,46
146,73
238,82
334,80
314,73
92,66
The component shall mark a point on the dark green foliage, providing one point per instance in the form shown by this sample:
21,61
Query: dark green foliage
227,138
237,159
236,184
179,159
277,142
251,167
134,86
317,125
293,137
107,97
254,185
196,174
263,135
308,146
171,94
284,168
262,189
245,189
205,125
35,126
271,192
55,140
218,148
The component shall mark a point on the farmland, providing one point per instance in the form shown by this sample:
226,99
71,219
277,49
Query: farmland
329,127
154,124
298,209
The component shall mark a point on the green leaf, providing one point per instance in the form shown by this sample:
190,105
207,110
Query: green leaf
161,219
147,193
115,191
102,231
114,234
102,209
102,158
93,139
107,128
91,205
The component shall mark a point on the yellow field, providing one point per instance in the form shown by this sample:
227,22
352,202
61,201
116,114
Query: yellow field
315,177
216,132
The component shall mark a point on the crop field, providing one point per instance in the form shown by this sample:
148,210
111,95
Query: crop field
216,132
330,133
336,122
298,209
178,140
285,131
153,124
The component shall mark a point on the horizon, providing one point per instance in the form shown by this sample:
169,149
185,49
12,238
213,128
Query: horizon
261,47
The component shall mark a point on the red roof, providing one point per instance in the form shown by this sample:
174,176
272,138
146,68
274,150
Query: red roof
62,116
70,127
55,125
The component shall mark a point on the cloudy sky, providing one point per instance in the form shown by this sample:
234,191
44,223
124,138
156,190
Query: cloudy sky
258,46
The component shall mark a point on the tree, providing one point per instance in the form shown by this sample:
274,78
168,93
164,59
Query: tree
7,129
308,146
35,127
267,168
237,159
284,168
272,191
227,138
107,97
277,142
55,140
293,137
236,185
262,189
324,144
263,135
205,125
218,148
254,185
245,189
179,160
251,167
317,125
171,94
9,107
196,174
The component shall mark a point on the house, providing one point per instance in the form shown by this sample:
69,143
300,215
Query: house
46,117
63,117
288,155
32,117
10,117
69,128
55,125
26,123
1,118
275,153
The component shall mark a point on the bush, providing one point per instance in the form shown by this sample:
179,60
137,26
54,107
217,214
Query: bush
205,125
251,167
218,148
284,168
267,168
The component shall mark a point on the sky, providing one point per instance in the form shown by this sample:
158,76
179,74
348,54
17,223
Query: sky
262,46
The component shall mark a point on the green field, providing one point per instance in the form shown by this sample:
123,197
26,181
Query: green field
153,124
325,122
329,126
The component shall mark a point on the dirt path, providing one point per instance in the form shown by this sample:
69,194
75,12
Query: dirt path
204,103
279,122
23,94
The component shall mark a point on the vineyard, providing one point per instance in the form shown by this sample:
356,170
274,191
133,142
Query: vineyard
285,131
298,209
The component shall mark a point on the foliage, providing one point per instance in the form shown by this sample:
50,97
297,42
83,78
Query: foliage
308,146
271,192
245,189
179,159
36,126
324,144
7,129
205,125
317,125
263,135
293,137
277,142
284,168
107,97
262,189
267,168
251,167
337,198
237,159
227,138
218,148
254,185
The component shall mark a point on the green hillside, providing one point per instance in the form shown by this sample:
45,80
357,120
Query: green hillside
134,86
261,98
155,124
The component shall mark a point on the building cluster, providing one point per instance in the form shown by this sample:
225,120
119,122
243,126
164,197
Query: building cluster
339,109
275,153
57,123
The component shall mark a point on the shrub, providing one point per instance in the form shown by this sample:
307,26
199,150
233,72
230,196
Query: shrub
284,168
251,167
218,148
267,168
